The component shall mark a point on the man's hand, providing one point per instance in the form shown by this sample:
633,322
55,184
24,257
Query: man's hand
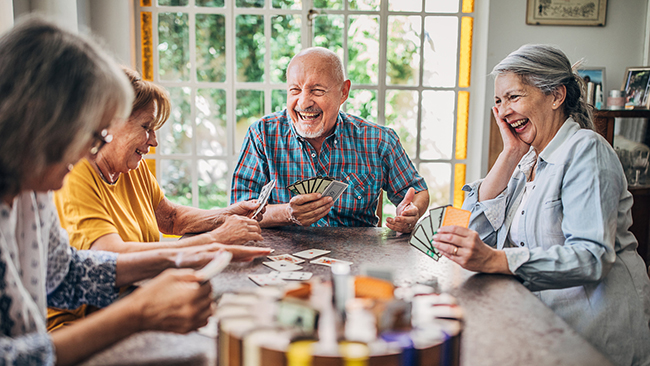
237,230
407,214
306,209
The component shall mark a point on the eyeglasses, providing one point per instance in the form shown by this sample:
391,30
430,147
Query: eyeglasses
99,140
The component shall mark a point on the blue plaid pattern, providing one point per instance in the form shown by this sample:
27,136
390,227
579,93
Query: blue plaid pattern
365,155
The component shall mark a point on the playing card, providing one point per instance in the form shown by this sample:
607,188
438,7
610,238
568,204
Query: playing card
294,276
324,184
326,261
285,257
424,248
317,183
456,216
310,185
216,265
282,266
335,189
435,218
300,187
266,279
420,234
264,196
311,253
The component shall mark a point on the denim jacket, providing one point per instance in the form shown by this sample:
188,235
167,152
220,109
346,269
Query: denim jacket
577,254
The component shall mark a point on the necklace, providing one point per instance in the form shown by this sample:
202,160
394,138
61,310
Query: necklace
102,175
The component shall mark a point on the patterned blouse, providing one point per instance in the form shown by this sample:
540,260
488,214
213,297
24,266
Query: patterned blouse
38,268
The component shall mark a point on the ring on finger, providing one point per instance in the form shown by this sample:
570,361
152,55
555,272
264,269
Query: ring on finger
455,250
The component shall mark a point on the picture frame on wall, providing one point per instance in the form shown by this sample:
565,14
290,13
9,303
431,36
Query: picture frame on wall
566,12
636,87
595,76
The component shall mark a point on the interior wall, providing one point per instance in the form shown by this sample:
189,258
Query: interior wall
617,45
110,21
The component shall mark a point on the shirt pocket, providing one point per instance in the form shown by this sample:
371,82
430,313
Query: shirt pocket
551,217
361,192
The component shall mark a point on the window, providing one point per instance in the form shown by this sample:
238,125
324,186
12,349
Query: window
224,63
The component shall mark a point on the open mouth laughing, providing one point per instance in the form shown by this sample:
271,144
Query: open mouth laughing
308,116
519,123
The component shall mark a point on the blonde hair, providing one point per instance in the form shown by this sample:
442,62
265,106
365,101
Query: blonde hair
146,93
56,89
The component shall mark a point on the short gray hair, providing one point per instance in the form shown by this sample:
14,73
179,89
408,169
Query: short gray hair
547,68
56,89
332,59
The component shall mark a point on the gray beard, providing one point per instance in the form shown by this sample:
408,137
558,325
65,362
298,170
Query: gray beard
309,135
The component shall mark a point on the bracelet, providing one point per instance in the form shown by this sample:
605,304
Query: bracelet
292,218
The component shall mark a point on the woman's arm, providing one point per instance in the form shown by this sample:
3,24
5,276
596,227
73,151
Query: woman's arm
173,302
230,225
133,267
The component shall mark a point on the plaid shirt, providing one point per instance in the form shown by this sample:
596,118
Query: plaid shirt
367,156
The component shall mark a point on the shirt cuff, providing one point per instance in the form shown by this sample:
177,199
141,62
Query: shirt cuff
516,257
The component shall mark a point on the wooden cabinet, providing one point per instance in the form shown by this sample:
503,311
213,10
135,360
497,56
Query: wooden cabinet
604,121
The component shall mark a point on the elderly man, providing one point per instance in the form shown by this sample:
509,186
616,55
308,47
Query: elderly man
310,138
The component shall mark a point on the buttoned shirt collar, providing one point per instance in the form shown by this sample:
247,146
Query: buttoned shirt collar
551,153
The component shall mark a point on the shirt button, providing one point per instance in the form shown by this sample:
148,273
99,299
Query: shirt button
522,212
358,197
522,244
313,155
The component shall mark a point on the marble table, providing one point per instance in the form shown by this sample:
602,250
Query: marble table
505,324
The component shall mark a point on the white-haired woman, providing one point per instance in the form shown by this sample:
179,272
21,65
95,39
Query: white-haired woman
555,211
58,95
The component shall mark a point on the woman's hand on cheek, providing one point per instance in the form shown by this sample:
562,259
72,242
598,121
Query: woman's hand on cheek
511,141
465,247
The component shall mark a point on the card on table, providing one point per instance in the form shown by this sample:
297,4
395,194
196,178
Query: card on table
293,276
264,196
266,279
327,261
285,257
282,266
311,253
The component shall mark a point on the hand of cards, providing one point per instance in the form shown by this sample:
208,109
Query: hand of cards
327,186
422,235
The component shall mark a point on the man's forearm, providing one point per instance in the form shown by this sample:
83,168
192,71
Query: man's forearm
277,215
421,201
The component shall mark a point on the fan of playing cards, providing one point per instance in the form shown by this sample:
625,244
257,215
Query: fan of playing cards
327,186
422,236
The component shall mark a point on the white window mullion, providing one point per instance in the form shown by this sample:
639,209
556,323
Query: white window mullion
383,48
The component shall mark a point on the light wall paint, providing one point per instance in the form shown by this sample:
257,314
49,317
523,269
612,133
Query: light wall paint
617,45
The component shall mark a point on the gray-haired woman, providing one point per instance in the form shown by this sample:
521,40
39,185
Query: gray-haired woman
58,93
555,211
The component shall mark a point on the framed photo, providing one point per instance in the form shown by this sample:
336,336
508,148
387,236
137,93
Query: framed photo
636,87
566,12
595,75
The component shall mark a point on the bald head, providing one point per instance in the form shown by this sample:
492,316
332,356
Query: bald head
319,60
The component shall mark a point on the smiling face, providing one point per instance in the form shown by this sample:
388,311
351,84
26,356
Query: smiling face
131,141
315,94
534,116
